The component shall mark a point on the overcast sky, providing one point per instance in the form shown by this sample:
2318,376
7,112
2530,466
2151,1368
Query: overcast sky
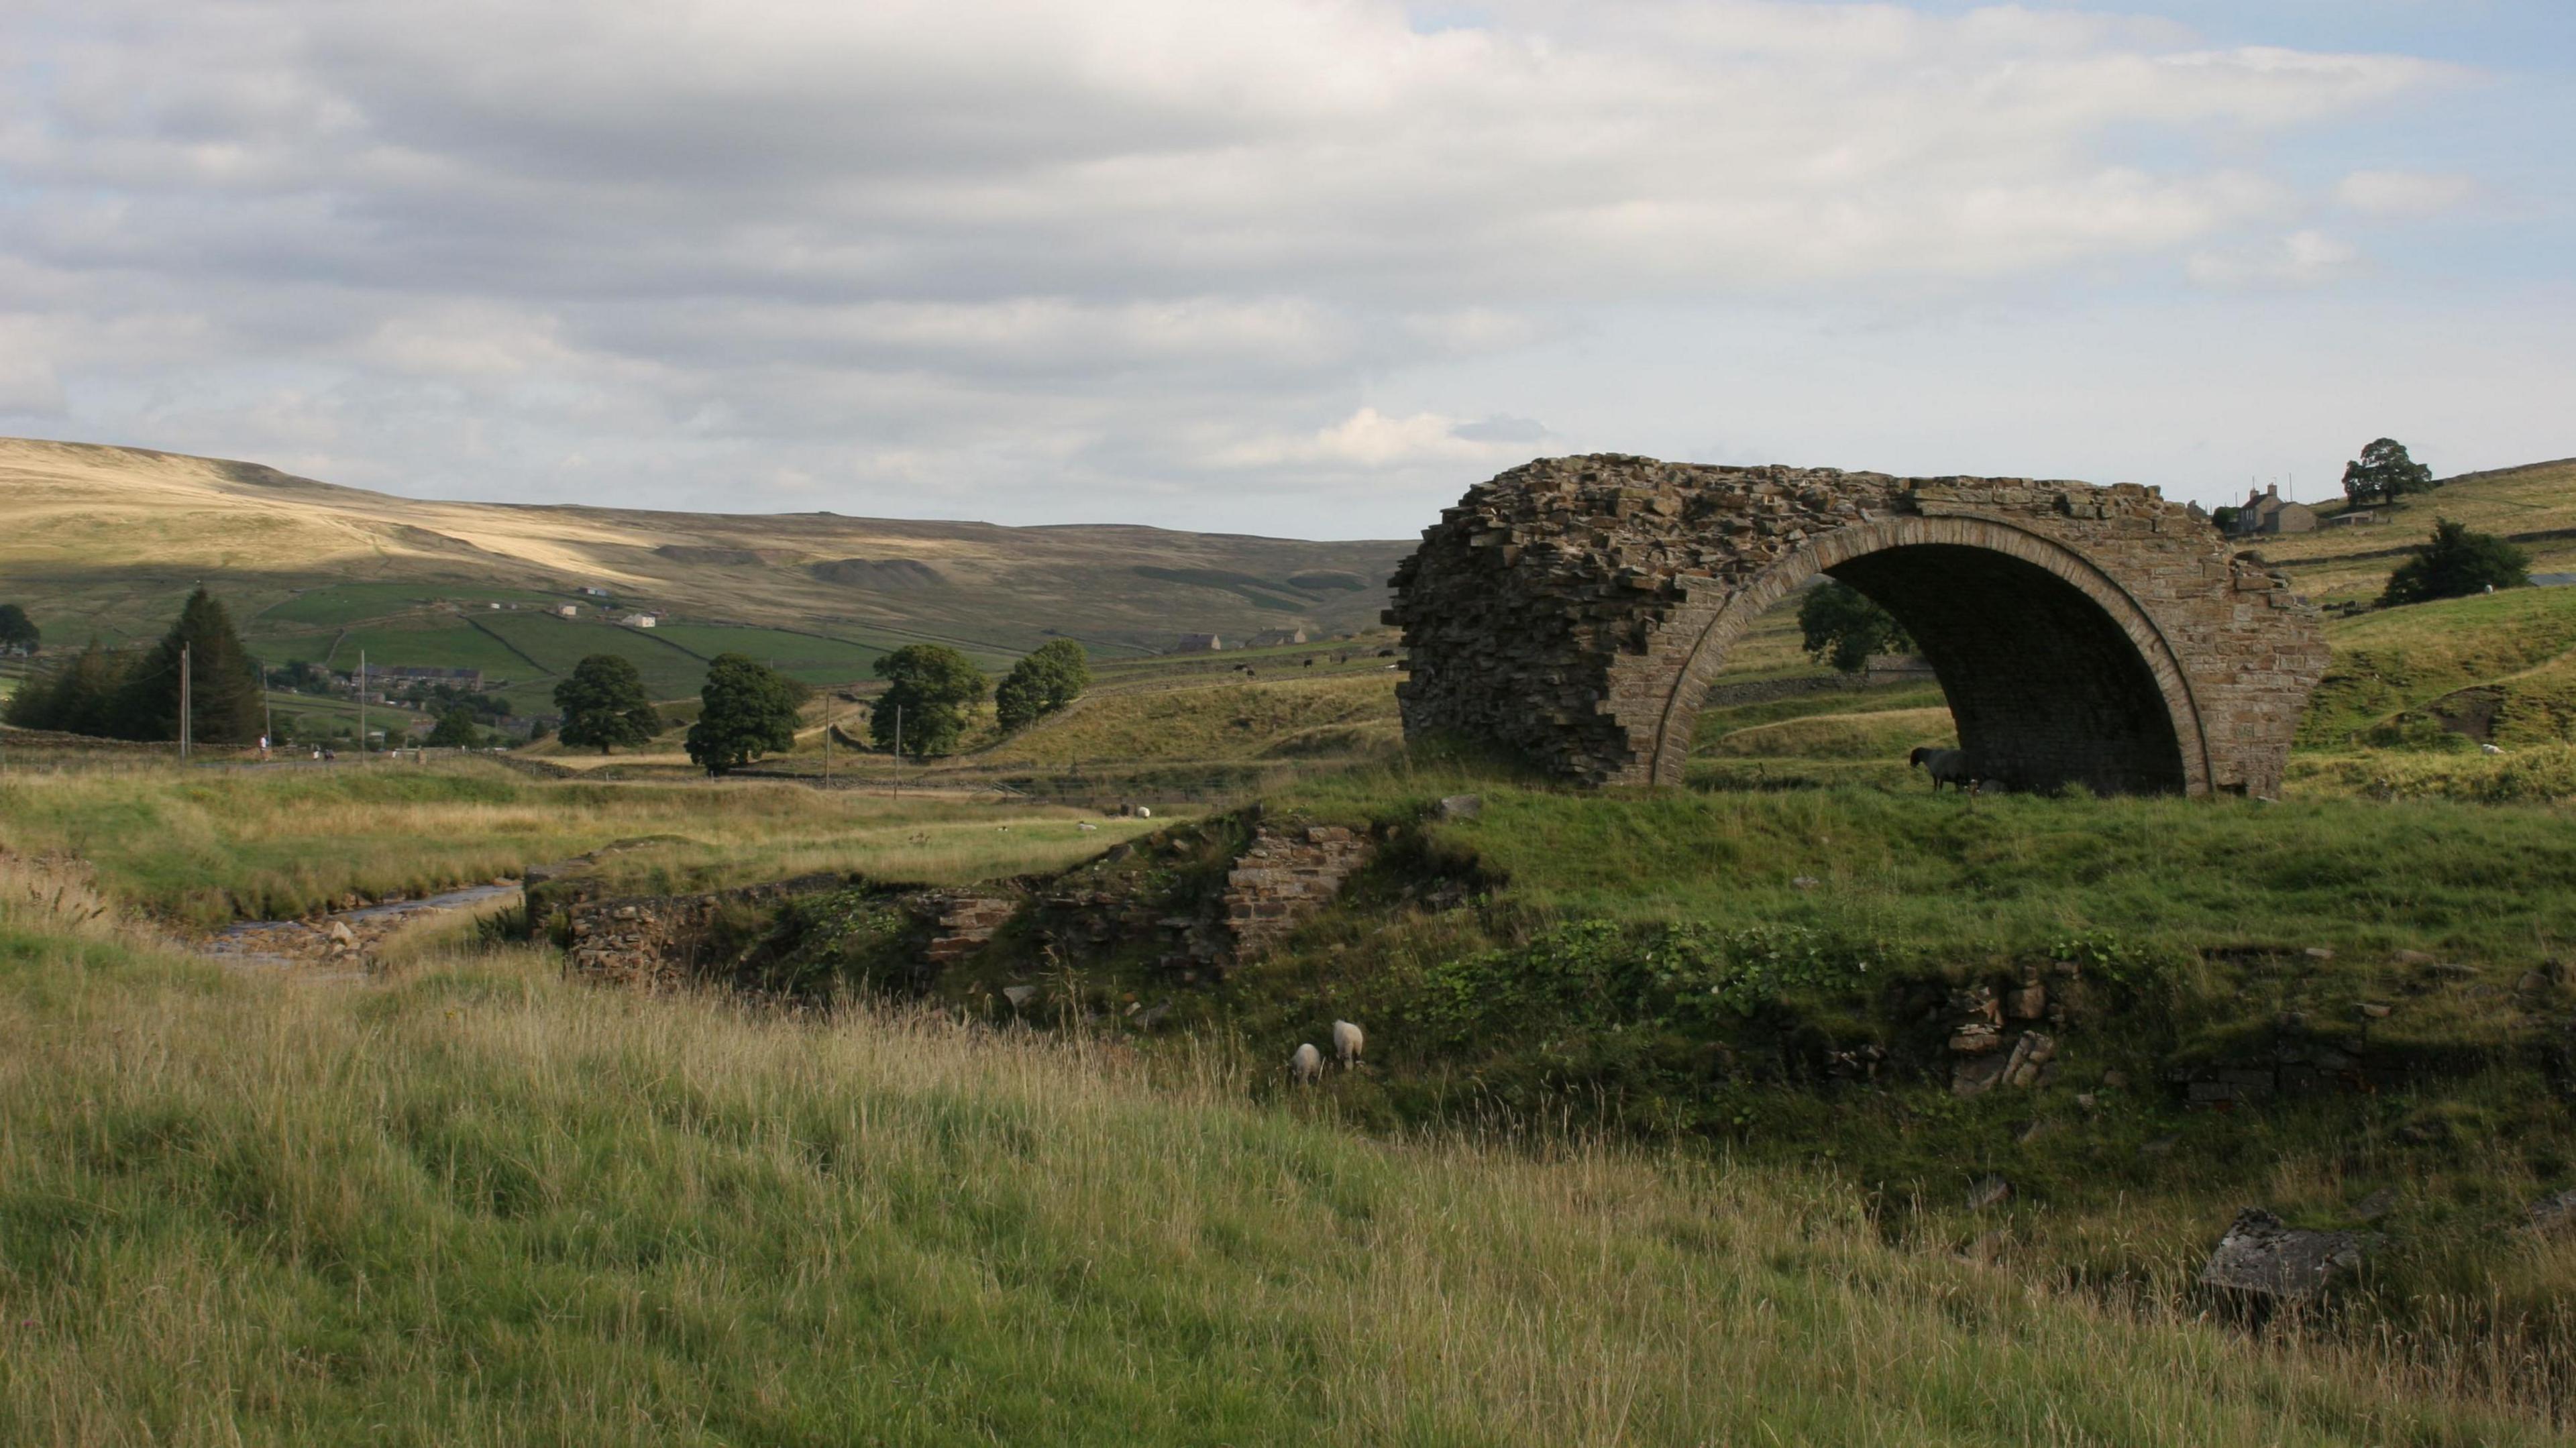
1292,268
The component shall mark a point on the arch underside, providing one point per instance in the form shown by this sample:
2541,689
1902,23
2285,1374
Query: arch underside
2055,677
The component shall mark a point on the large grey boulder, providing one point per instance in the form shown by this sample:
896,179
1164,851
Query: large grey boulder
2263,1257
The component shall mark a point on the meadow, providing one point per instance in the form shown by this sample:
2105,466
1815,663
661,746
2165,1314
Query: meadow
472,1203
200,848
1614,1173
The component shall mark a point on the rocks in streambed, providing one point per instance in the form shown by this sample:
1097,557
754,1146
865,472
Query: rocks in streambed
347,938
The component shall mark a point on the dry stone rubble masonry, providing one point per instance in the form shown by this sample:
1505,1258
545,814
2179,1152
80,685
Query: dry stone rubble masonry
659,942
960,923
1576,610
1289,873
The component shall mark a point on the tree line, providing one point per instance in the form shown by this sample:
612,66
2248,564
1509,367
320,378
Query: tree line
134,694
746,709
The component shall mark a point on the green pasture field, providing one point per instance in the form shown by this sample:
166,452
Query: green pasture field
432,643
474,1203
200,847
814,659
671,670
342,604
2392,660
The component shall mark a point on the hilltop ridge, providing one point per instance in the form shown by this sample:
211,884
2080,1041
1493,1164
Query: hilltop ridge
114,536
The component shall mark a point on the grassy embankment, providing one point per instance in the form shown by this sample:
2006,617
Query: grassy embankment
476,1204
1693,962
203,847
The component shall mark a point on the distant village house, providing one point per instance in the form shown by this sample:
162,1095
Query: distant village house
567,610
639,620
1199,644
1271,638
2268,512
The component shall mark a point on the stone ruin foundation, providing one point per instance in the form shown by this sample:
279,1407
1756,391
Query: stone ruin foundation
1575,611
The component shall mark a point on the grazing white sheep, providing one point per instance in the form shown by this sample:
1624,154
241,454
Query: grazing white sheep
2489,749
1946,766
1307,1064
1348,1041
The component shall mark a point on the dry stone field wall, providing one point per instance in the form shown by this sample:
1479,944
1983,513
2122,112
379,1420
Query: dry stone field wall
1576,611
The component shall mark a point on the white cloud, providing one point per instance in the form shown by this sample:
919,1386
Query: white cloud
1371,439
1003,248
2300,259
2404,193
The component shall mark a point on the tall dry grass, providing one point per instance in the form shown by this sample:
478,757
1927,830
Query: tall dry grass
477,1205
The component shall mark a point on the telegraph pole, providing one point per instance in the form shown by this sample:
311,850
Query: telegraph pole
827,739
267,716
362,704
184,701
898,751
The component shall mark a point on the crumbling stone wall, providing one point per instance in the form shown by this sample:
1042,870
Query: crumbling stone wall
1289,873
1575,611
660,942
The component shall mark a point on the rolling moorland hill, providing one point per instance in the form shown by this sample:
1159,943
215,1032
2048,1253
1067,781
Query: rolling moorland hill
111,539
2534,506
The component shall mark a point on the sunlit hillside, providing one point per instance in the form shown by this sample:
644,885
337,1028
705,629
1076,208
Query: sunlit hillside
110,539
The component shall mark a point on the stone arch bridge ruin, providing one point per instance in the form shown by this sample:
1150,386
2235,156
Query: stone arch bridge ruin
1574,611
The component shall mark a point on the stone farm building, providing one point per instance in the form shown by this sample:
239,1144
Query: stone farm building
1271,638
2268,512
1199,644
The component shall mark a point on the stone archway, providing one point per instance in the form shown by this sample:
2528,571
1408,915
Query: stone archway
1575,610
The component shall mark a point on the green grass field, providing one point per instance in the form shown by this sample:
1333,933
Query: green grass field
816,660
341,604
476,1204
200,848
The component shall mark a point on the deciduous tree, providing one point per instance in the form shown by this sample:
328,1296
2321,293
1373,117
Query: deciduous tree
935,689
604,705
1042,683
455,730
18,633
1842,627
2384,473
747,709
2454,563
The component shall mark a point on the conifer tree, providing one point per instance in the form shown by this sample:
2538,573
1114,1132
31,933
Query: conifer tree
224,686
74,695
